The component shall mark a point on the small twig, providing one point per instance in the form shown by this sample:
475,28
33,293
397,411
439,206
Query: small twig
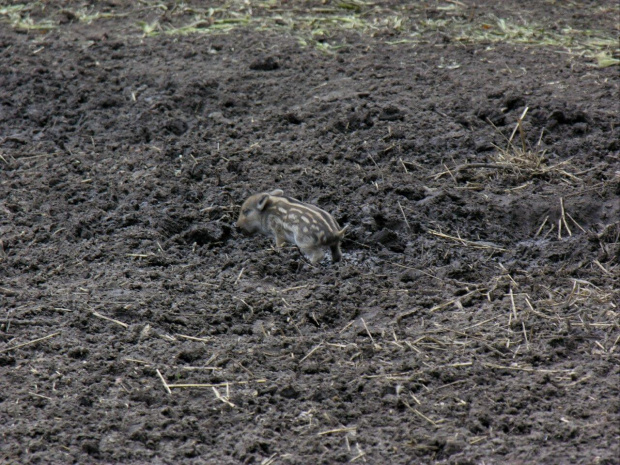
39,395
448,385
441,306
270,460
549,232
479,245
514,307
535,312
527,344
413,269
404,216
239,277
205,368
338,430
482,322
247,304
294,288
564,217
368,332
469,166
420,414
120,323
449,172
533,370
311,352
18,346
8,292
576,224
597,263
164,382
346,326
223,399
182,386
517,127
136,361
541,226
380,170
192,338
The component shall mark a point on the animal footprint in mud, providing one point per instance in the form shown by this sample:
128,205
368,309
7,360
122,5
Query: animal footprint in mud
290,221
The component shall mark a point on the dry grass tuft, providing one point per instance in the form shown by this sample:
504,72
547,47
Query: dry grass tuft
521,157
517,157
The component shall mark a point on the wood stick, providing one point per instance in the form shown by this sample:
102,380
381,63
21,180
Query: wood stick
164,382
180,386
533,370
576,224
541,226
239,277
223,399
368,332
192,338
512,303
311,352
420,414
338,430
24,344
564,217
120,323
479,245
404,216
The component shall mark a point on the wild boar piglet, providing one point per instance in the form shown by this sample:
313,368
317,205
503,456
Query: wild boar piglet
290,221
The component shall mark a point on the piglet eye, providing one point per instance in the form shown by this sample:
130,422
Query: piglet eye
246,211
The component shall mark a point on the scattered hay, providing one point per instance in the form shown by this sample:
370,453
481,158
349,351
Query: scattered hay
318,25
519,158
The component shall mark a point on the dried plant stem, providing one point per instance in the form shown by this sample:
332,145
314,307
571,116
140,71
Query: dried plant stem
420,414
376,346
239,276
576,224
478,245
222,398
192,338
564,217
34,341
541,226
103,317
404,216
338,430
518,125
311,352
513,306
163,381
184,386
518,368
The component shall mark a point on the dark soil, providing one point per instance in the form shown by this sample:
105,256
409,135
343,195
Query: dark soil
455,330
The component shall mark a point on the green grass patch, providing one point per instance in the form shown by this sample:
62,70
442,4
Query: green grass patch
322,25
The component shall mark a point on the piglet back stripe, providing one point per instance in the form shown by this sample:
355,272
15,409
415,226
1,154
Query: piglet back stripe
326,217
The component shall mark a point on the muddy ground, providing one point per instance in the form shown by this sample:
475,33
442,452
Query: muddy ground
474,317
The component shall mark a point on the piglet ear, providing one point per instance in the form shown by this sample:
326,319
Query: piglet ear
277,192
262,202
